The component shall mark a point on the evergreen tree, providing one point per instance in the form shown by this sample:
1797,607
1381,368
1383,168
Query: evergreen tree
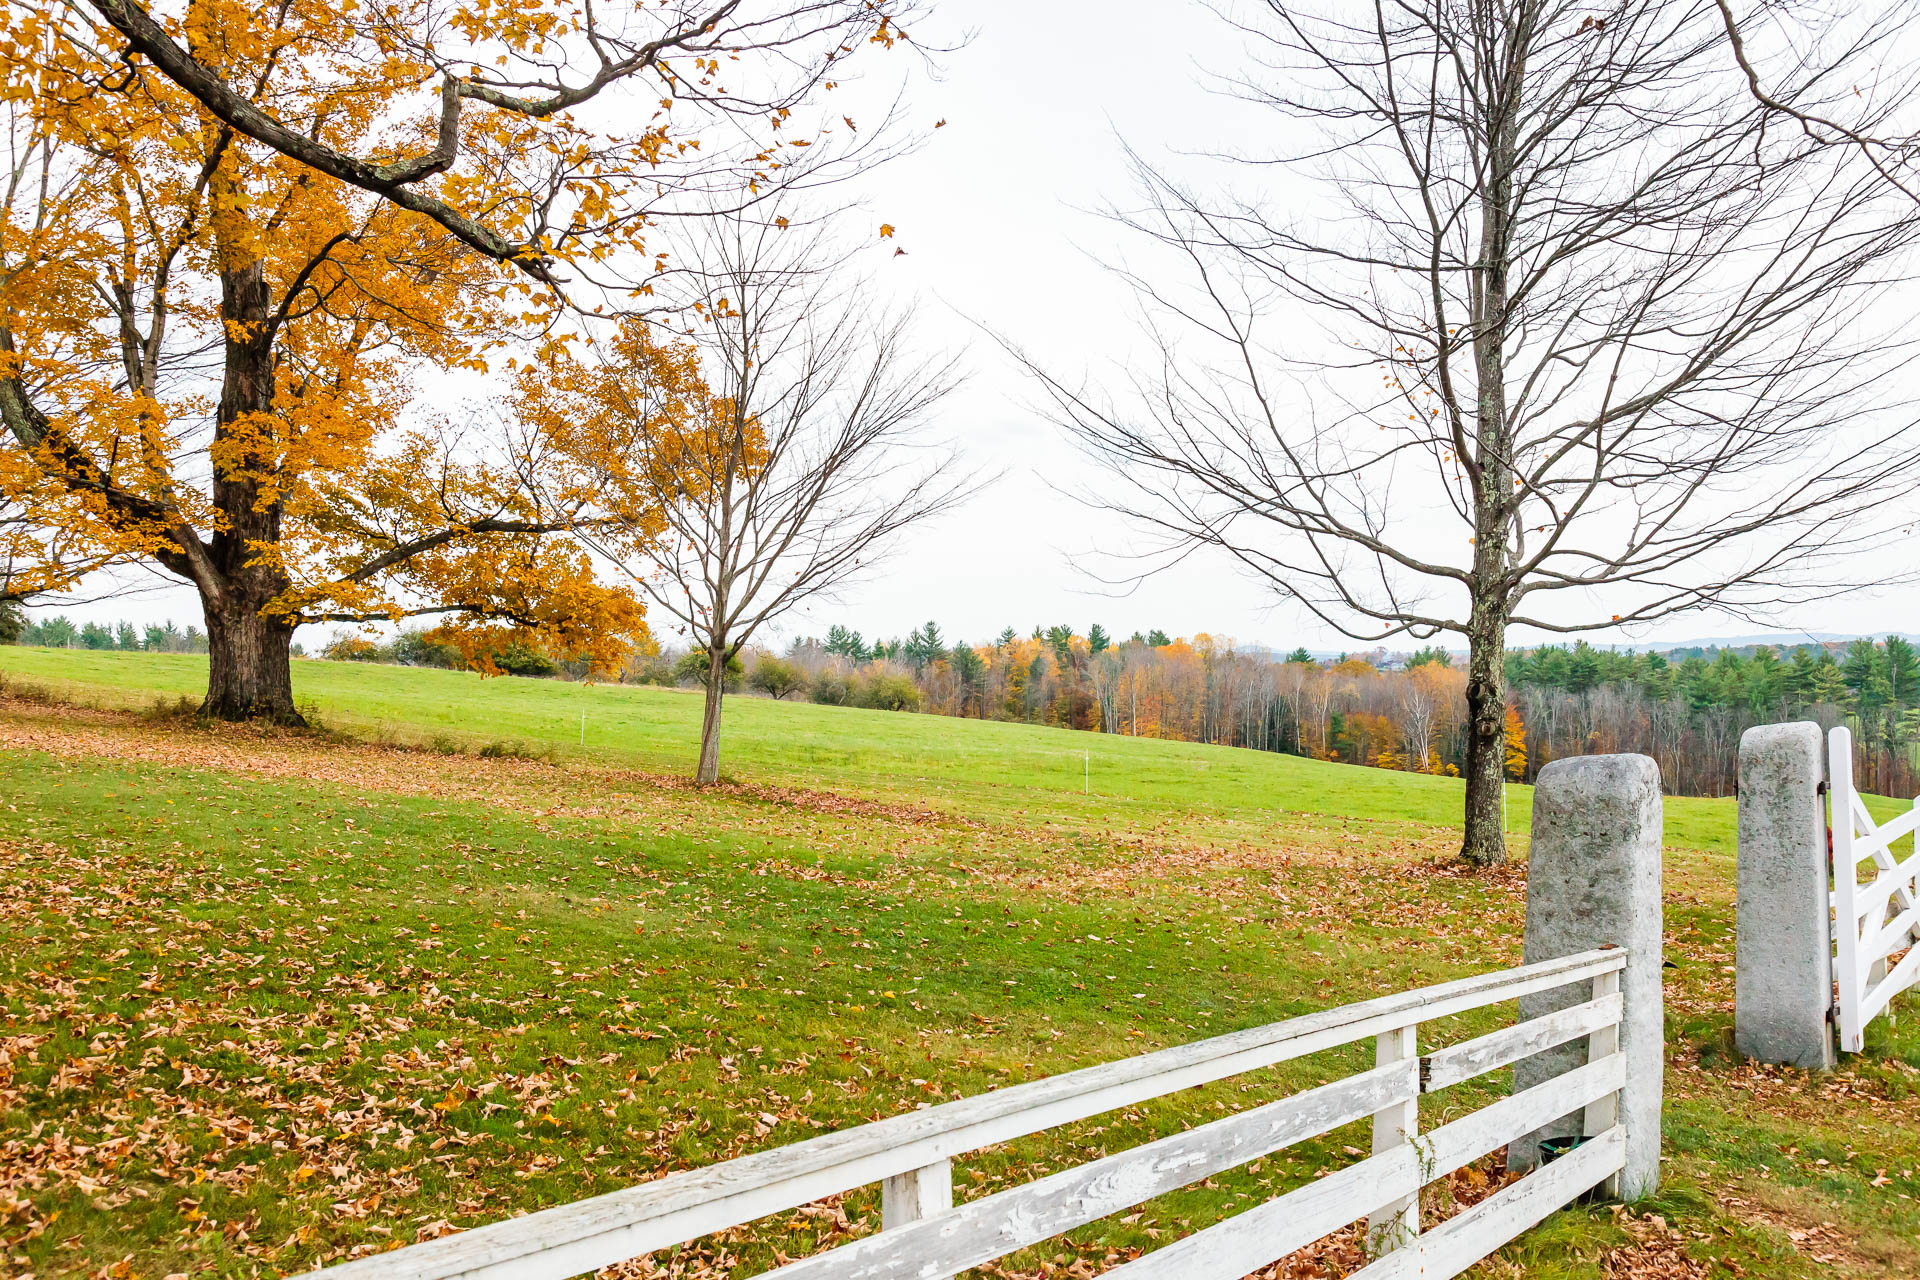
125,637
1765,680
1797,682
96,636
1300,655
1862,665
1829,684
971,671
1097,638
1158,638
1582,669
847,644
1060,640
925,646
1903,671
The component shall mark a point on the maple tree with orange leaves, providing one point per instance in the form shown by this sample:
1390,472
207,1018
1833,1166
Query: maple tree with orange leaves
216,309
207,352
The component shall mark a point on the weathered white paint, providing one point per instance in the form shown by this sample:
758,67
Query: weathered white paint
1467,1237
575,1238
996,1225
1503,1048
1394,1224
915,1196
1268,1232
1871,921
1603,1113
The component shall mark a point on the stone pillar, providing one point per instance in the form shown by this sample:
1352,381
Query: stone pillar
1593,880
1783,946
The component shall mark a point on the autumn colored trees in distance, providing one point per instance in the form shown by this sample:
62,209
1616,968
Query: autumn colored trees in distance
1685,708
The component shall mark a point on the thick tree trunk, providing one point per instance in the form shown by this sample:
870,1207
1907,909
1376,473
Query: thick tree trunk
1485,842
250,670
250,665
709,768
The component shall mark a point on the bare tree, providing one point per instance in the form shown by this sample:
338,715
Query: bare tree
813,458
1560,326
1419,710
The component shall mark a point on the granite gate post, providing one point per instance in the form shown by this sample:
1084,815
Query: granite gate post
1593,880
1783,943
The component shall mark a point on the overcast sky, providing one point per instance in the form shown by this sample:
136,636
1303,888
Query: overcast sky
998,215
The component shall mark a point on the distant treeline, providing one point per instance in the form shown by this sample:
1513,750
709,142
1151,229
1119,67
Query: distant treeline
60,633
1685,708
1689,714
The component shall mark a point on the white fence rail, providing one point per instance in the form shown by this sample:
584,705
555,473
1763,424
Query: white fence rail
924,1235
1874,921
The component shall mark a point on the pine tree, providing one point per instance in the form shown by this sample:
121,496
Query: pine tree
847,644
1862,665
1097,638
925,646
1582,669
1158,638
1829,684
1903,671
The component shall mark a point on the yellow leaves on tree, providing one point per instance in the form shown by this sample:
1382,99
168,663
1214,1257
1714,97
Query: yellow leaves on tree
1516,745
208,353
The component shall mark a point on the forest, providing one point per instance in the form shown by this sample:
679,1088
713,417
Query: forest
1686,707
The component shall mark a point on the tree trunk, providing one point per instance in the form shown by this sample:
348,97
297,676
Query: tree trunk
1485,843
709,769
249,665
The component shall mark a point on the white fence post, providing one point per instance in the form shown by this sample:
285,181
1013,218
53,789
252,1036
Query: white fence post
1846,887
1593,880
916,1194
1395,1224
1783,950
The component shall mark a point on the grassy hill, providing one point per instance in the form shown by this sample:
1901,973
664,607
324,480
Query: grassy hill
270,999
982,768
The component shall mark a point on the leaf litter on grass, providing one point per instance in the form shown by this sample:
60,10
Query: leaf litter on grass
221,1051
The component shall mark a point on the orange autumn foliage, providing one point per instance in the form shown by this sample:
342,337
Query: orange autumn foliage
209,354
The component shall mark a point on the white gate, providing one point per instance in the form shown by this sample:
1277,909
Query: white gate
1878,919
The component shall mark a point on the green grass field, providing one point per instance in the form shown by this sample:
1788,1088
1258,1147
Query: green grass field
983,768
273,999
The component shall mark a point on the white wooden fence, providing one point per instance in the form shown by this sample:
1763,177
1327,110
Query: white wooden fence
925,1235
1873,921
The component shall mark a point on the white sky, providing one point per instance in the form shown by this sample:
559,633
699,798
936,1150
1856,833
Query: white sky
996,215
